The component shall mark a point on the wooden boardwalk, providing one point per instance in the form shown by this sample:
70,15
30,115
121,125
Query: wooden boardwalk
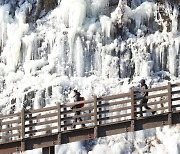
104,116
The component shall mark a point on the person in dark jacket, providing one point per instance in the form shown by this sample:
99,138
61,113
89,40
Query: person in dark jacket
77,98
144,100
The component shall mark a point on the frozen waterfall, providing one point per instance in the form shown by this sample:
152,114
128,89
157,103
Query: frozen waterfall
49,48
81,42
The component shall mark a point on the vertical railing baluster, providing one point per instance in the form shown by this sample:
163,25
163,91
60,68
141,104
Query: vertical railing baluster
59,122
22,130
100,115
132,110
65,122
95,117
169,104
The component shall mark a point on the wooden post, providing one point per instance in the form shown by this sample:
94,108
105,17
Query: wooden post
169,104
132,110
31,95
22,130
59,122
95,117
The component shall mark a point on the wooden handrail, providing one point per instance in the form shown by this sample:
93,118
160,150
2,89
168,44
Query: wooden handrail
97,111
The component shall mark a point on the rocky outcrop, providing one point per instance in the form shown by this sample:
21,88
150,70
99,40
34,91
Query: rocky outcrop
176,2
43,7
39,8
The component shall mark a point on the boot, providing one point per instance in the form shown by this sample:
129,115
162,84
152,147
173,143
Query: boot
83,125
153,112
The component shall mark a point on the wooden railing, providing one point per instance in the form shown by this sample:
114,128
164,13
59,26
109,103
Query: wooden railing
98,111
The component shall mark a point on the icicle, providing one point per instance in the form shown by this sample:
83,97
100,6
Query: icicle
79,58
174,19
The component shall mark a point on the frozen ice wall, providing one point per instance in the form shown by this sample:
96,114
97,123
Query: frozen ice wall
88,45
80,41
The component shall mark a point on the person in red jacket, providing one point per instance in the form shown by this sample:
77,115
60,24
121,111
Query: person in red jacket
77,98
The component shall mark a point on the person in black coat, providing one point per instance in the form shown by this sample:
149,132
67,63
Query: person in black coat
144,100
76,106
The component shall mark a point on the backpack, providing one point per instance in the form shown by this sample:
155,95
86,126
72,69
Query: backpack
82,104
79,105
